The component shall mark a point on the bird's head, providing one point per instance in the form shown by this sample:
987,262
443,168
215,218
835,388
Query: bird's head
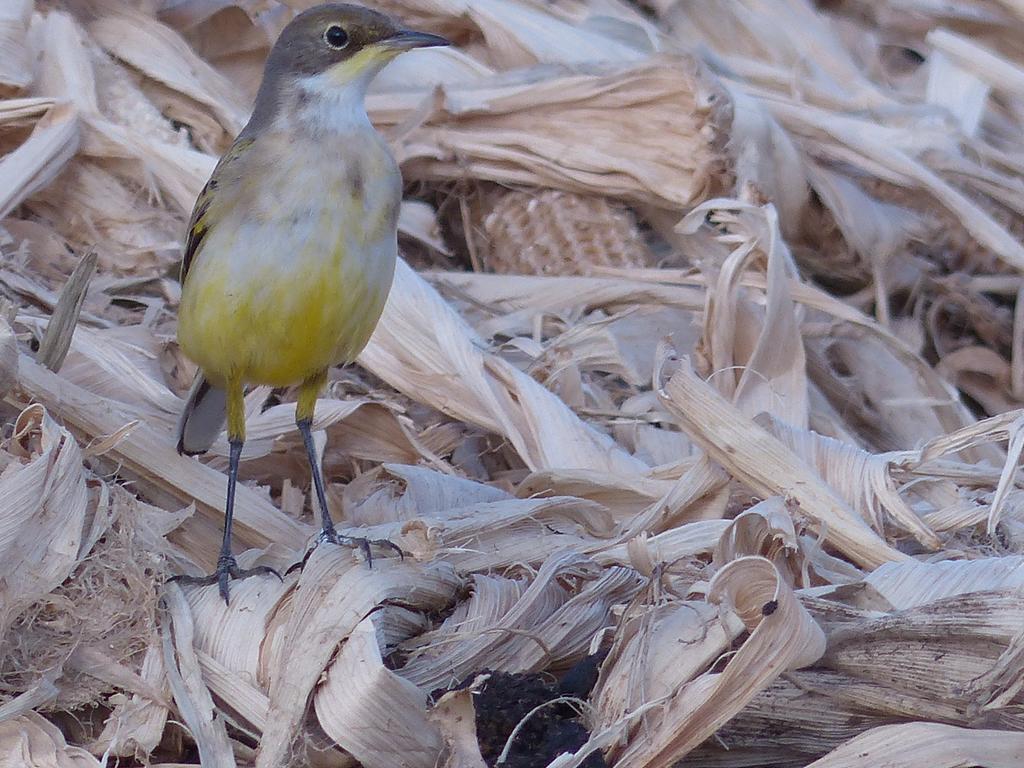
334,50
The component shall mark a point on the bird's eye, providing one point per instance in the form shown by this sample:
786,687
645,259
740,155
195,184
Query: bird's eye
336,37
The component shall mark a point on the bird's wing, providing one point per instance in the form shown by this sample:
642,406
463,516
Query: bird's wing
203,217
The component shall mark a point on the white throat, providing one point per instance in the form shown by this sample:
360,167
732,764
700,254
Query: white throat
329,107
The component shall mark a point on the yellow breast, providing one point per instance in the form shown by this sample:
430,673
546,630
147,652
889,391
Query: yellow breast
296,267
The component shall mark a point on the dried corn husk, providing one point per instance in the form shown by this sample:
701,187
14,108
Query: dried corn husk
809,505
547,132
929,744
39,160
160,53
493,393
32,741
359,689
16,69
744,449
44,487
692,705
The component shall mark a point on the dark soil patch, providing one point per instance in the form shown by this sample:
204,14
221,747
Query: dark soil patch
506,699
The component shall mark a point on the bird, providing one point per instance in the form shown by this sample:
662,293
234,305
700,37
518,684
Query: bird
292,243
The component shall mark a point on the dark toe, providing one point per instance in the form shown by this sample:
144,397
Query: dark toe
365,545
227,569
390,545
255,571
222,581
196,581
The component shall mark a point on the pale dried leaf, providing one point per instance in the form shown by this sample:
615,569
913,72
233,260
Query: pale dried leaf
781,639
15,62
333,594
755,457
928,745
455,717
38,161
545,131
30,741
360,694
137,724
159,52
424,348
910,584
185,678
43,507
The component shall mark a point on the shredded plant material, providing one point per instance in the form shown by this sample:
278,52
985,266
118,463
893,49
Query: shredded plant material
697,406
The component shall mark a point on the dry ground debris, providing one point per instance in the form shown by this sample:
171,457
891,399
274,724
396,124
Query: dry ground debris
700,387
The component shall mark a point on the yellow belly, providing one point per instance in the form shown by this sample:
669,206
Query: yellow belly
294,269
283,324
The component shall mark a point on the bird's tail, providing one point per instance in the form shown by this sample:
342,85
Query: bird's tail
203,417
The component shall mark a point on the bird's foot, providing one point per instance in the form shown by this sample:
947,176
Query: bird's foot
227,569
331,536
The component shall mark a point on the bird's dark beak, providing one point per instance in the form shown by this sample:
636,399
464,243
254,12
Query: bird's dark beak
407,39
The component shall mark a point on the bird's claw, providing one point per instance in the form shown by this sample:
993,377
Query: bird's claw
331,536
227,569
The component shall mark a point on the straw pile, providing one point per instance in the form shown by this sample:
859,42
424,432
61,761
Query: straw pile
699,416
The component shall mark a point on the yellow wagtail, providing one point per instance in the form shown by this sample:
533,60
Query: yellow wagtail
292,243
